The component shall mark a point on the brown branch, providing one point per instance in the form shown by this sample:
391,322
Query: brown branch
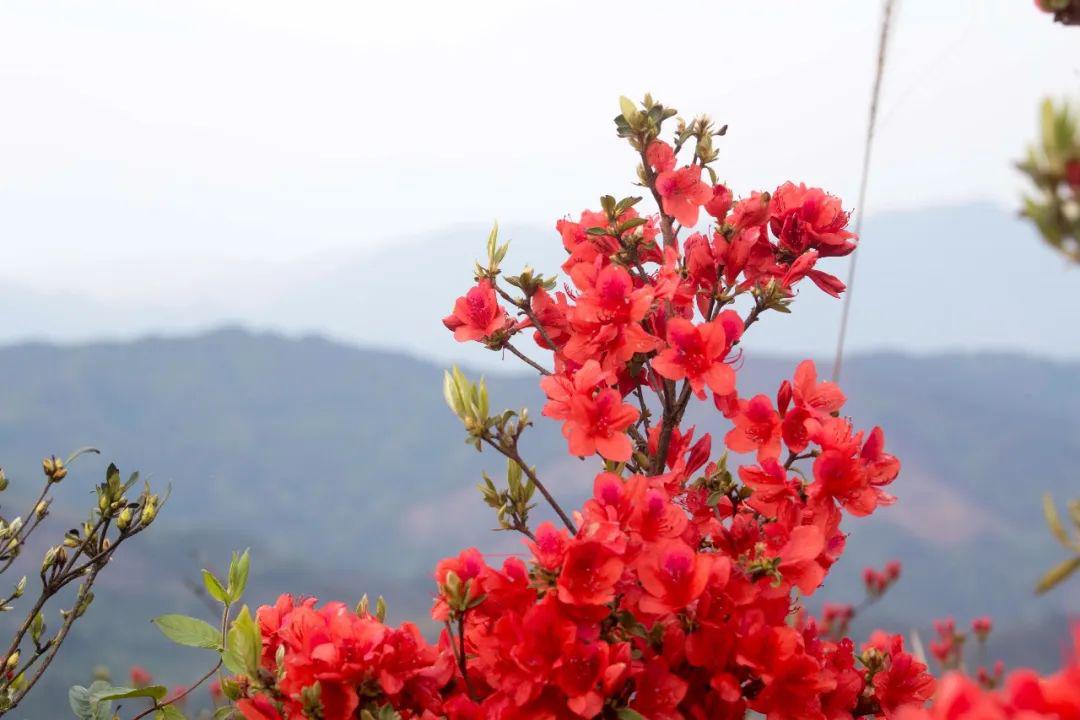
513,454
672,419
666,226
155,707
526,359
524,307
57,641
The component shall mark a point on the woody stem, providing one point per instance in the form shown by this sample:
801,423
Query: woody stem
512,454
666,226
523,306
526,359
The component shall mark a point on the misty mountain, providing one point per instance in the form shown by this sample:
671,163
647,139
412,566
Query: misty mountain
953,278
344,472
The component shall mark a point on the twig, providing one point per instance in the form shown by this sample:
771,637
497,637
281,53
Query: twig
523,306
516,457
525,359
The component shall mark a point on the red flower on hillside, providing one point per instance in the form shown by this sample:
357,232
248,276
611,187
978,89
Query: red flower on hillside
477,314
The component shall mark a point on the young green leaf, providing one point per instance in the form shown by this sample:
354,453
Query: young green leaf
84,707
1053,520
244,645
1057,574
213,587
189,631
238,575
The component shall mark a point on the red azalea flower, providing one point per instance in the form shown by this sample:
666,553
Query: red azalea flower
592,565
720,203
660,156
697,353
140,677
751,212
659,692
258,708
683,193
674,576
805,218
798,558
551,313
579,672
903,681
598,424
822,397
548,546
757,428
477,314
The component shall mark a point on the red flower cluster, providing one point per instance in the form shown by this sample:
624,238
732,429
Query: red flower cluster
330,657
877,582
1023,695
674,592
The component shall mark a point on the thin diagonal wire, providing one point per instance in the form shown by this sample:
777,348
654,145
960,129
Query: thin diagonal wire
883,48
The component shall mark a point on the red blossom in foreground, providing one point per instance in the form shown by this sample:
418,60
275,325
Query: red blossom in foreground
675,592
698,353
477,314
683,193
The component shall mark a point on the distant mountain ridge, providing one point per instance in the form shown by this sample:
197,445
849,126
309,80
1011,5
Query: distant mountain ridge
953,278
344,472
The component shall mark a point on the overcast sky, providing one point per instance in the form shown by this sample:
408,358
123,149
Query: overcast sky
144,146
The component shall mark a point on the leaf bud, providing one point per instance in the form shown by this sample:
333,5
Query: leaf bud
149,511
124,520
54,468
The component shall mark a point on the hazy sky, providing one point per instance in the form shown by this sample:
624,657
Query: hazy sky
147,146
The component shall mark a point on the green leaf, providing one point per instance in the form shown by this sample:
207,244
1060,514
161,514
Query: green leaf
213,587
629,110
1054,521
493,236
244,645
238,575
156,692
223,712
169,712
628,714
1057,574
189,631
84,707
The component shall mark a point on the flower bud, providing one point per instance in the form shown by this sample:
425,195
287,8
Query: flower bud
54,468
3,480
42,508
12,661
982,626
49,559
783,398
37,627
149,511
124,520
